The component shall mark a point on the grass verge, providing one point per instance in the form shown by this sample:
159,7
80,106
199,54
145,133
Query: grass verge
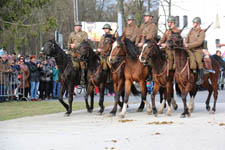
13,110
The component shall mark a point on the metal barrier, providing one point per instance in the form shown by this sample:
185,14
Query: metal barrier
12,85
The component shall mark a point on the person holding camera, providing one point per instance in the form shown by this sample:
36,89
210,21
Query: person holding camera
35,69
45,83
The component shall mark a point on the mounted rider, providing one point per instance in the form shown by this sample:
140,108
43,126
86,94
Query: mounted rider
193,43
163,42
147,31
104,53
131,31
75,39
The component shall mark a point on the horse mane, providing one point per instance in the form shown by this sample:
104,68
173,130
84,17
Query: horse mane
157,49
132,50
85,43
219,60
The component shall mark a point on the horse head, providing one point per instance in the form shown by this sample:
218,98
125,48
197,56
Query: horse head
149,49
107,44
118,50
84,50
50,48
175,41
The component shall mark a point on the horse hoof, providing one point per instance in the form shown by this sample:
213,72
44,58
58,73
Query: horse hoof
139,110
155,112
191,110
67,114
122,116
112,114
182,116
160,112
168,114
212,112
175,107
208,108
149,112
90,110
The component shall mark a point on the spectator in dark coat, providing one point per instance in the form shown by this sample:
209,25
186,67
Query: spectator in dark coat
35,69
45,83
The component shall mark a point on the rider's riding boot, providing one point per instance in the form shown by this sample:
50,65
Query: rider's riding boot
82,79
200,77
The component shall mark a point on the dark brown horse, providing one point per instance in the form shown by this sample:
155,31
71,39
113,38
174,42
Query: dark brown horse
186,78
134,71
68,75
161,75
96,76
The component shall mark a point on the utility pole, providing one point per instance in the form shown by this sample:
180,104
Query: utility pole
119,17
75,11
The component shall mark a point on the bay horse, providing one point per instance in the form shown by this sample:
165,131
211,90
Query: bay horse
68,75
186,79
117,73
134,71
96,76
162,76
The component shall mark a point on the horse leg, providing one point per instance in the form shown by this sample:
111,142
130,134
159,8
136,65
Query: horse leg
192,95
215,94
169,91
126,98
101,98
173,102
122,94
162,95
92,100
142,84
162,92
89,90
62,91
71,90
184,96
118,88
143,97
208,86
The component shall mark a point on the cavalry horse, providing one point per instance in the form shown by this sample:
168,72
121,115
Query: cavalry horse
96,76
186,79
68,75
117,72
160,70
124,49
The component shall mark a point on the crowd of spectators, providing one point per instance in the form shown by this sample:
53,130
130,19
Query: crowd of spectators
31,78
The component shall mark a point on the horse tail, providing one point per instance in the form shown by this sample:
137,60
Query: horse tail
178,91
219,60
134,90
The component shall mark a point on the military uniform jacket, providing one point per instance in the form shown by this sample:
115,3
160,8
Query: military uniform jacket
195,39
167,34
147,31
76,38
131,32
